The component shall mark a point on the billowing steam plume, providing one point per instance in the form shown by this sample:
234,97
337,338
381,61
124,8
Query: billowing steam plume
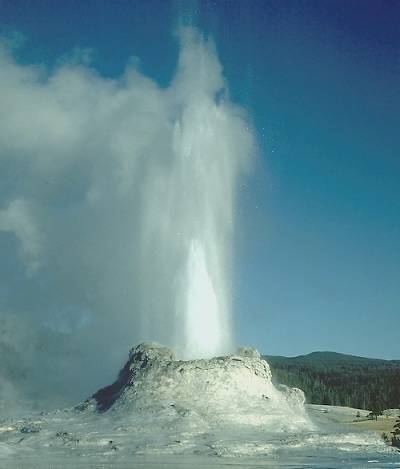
116,216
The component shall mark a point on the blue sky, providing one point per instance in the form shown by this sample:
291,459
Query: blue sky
318,248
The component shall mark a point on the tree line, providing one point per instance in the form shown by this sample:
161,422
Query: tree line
343,380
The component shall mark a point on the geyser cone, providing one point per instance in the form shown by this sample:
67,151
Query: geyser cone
230,390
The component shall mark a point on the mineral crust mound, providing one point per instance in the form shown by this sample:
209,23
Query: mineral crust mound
234,389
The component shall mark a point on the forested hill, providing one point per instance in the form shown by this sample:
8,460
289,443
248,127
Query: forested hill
337,379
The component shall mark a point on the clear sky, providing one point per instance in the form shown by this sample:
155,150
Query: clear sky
318,249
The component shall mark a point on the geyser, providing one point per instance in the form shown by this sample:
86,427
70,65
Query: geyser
188,216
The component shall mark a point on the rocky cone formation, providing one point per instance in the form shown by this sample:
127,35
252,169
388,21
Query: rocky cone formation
235,389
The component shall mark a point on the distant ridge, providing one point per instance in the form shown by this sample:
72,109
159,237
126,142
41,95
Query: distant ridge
328,356
338,379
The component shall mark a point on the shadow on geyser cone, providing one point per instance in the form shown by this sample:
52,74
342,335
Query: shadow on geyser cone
234,389
139,358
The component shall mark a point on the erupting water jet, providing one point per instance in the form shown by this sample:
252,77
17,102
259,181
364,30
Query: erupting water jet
204,332
189,209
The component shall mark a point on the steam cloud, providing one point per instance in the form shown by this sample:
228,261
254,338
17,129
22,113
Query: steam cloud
116,218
